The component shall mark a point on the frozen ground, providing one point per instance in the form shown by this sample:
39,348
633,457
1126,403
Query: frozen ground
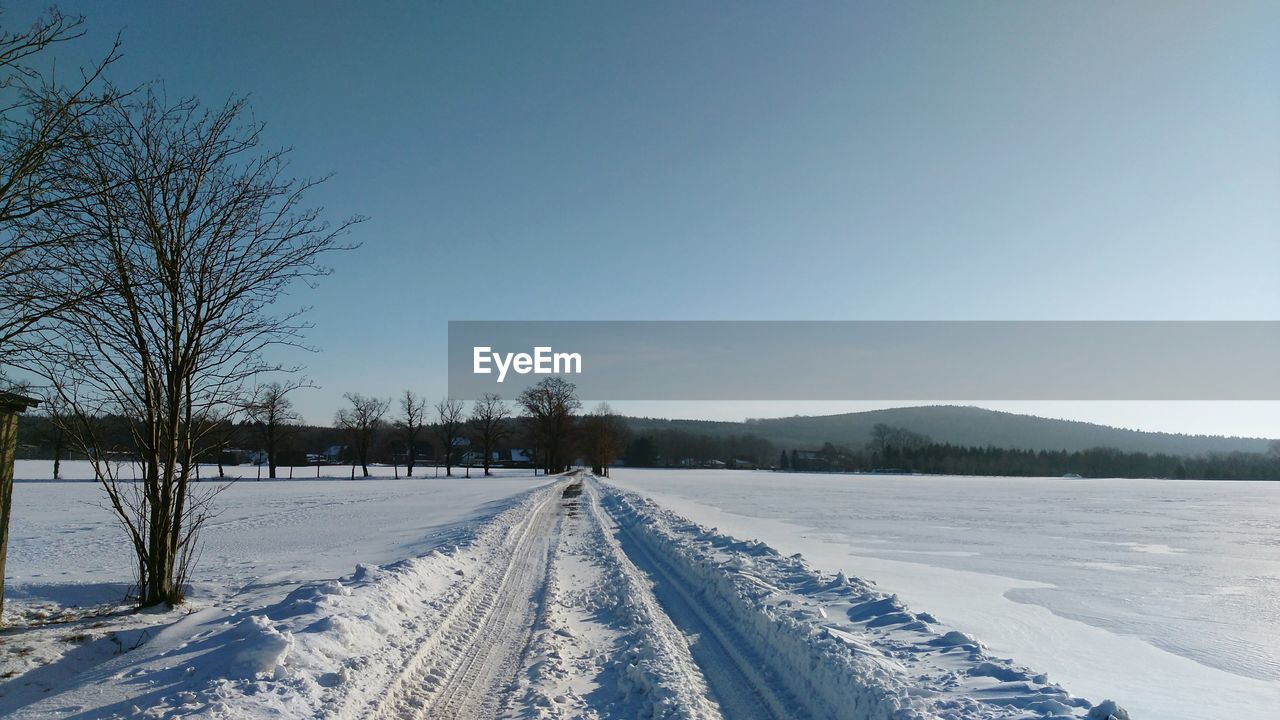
1162,594
490,599
65,547
66,557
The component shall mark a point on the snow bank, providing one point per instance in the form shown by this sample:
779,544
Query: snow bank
333,648
841,647
656,662
356,637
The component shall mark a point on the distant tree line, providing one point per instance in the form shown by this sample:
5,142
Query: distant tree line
600,438
543,426
672,447
899,449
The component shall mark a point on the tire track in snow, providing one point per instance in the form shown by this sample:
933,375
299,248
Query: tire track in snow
742,686
465,668
694,663
674,684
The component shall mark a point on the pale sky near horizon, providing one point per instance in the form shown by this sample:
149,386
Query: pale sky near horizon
756,160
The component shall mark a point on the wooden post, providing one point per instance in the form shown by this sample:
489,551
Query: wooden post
10,407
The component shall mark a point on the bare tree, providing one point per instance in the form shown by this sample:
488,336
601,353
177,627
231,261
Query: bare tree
41,116
272,414
413,419
450,421
489,425
192,232
603,438
550,405
222,435
54,431
361,423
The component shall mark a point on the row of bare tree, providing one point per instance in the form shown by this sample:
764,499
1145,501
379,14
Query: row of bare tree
366,418
146,240
547,416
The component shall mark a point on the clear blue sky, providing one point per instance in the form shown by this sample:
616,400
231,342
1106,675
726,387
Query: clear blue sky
756,160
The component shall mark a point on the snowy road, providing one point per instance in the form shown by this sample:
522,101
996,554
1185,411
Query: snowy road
575,599
737,679
462,668
587,602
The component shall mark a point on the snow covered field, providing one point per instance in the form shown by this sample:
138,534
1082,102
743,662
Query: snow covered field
66,547
1164,595
567,598
66,553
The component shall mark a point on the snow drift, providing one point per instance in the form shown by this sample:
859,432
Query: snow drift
842,647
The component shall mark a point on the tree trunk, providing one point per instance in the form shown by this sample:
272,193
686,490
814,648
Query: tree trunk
161,555
8,447
271,452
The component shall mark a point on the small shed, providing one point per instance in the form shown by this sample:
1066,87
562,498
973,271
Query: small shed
11,406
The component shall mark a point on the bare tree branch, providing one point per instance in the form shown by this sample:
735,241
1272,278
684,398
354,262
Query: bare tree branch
450,421
361,423
489,425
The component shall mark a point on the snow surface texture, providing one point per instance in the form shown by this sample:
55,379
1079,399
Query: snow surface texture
832,647
1161,594
73,650
603,646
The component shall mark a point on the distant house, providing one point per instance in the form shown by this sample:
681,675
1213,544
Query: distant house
422,456
335,453
519,458
709,464
235,456
808,460
476,457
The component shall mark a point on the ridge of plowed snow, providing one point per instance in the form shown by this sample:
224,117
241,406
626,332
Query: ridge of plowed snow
841,646
373,642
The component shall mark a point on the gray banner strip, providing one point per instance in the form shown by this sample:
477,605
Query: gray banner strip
872,360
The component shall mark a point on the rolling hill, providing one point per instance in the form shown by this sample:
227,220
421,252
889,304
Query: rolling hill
961,425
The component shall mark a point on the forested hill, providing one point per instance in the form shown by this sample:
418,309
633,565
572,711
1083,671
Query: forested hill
969,426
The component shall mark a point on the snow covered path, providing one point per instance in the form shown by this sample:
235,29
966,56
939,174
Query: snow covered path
743,688
461,668
577,600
